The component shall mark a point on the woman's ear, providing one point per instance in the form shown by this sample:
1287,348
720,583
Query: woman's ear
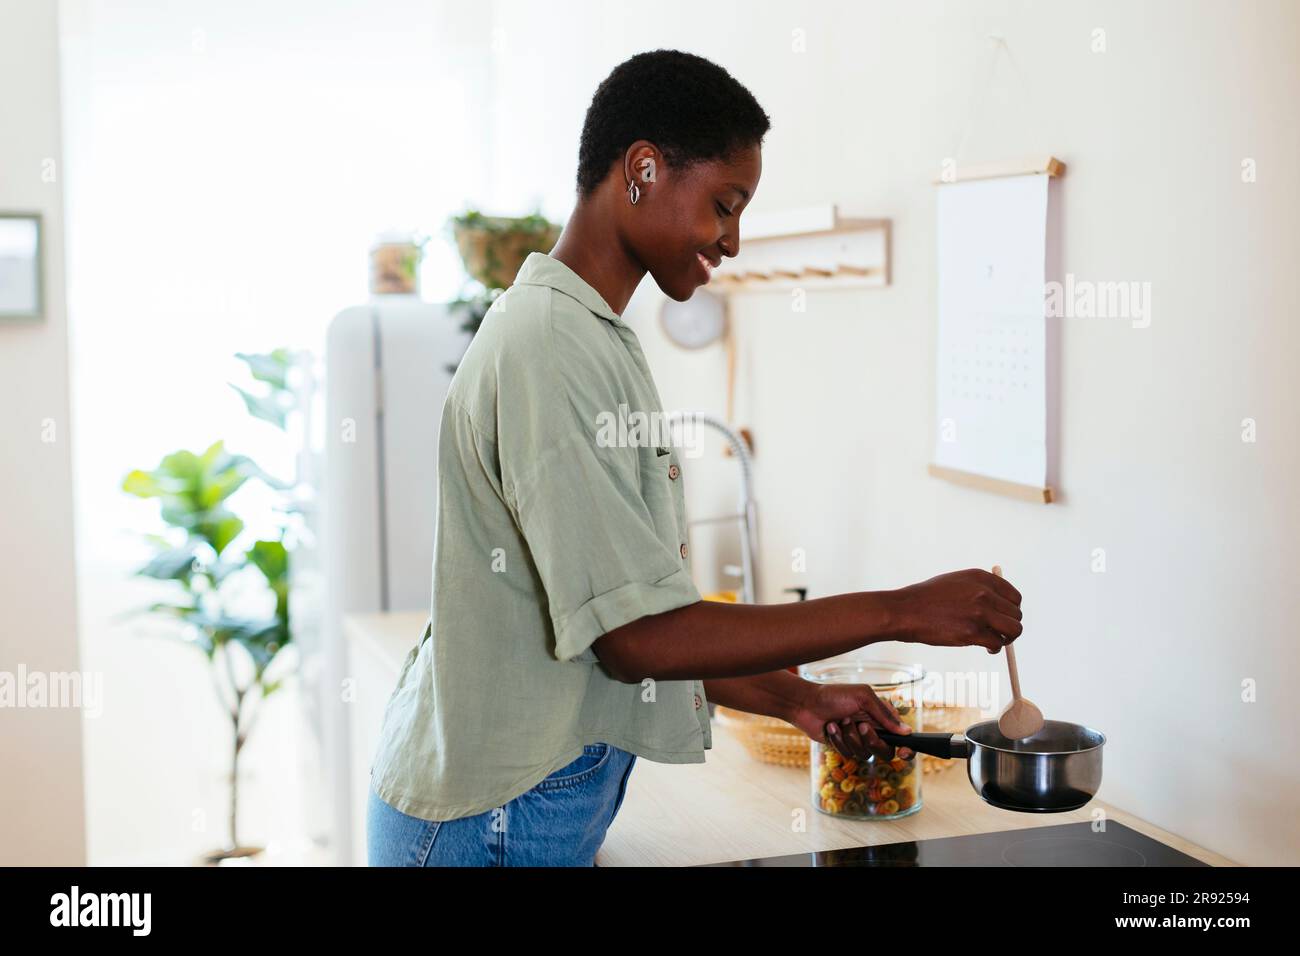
642,162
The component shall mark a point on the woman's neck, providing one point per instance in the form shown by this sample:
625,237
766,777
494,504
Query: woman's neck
591,247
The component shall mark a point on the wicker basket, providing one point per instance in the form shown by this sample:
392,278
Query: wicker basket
944,718
768,739
775,741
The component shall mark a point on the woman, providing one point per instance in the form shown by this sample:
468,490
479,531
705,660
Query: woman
566,637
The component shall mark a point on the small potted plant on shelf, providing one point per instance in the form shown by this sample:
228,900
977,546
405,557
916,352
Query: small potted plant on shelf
395,263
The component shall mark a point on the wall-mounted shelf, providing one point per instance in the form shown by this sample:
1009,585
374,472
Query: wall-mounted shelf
814,247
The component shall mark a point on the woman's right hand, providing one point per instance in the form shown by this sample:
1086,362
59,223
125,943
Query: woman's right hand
960,609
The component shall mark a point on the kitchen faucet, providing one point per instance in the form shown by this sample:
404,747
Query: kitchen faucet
745,517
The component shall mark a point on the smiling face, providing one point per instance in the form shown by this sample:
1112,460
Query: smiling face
687,219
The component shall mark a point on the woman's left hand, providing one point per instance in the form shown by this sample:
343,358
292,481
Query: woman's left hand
846,717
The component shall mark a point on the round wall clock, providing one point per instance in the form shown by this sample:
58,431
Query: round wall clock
699,321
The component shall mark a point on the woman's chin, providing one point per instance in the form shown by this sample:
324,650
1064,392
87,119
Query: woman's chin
679,291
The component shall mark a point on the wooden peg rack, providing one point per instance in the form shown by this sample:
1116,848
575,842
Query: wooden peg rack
814,247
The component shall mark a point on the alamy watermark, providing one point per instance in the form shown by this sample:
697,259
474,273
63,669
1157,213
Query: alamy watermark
1086,299
132,911
663,430
24,688
973,690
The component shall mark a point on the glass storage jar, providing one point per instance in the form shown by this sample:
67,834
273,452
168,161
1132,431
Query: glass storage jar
870,789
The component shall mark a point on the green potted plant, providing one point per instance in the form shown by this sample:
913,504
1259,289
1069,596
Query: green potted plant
492,249
242,632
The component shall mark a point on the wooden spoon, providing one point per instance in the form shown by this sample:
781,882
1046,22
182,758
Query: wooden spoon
1020,718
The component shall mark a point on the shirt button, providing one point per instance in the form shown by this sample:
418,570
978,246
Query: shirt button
673,472
697,702
683,550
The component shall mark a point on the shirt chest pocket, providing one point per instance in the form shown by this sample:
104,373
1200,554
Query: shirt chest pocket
661,489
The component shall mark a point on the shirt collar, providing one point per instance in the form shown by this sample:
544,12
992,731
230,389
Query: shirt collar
540,268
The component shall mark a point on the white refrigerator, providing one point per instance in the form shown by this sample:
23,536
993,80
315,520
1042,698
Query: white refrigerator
386,377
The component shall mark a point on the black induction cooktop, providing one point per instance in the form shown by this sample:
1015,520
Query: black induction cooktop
1070,844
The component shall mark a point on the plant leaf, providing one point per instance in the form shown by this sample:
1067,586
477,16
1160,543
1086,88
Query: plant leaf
270,367
269,408
226,530
142,484
174,564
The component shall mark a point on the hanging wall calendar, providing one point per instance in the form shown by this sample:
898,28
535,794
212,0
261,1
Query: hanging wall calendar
994,380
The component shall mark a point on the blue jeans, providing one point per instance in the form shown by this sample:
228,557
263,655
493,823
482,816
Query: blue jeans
560,822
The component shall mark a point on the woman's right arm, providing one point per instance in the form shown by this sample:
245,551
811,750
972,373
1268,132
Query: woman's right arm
713,640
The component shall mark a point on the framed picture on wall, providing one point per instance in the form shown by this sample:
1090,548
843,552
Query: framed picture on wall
20,266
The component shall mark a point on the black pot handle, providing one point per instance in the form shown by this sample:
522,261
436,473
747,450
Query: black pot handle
936,745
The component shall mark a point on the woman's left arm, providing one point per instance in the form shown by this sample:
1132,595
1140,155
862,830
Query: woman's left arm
853,710
773,694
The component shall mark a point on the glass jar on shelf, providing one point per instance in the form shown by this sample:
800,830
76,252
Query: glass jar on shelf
870,789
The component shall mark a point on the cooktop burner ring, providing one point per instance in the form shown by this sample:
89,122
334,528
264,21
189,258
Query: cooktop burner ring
1080,851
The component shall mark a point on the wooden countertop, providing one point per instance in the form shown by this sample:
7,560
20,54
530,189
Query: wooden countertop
731,807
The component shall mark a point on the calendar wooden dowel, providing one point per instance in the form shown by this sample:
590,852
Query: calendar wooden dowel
995,485
1042,165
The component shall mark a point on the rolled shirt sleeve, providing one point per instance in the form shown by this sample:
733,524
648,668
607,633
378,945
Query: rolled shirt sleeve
593,540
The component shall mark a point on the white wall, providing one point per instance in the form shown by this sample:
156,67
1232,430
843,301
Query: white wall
42,811
1200,530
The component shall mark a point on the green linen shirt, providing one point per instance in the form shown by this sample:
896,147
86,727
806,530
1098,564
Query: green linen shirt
553,528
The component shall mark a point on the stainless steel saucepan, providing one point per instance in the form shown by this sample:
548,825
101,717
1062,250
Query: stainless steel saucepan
1055,770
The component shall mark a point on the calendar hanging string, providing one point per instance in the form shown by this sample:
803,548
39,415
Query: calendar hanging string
980,94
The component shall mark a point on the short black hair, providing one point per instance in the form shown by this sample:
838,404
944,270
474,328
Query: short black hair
689,107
